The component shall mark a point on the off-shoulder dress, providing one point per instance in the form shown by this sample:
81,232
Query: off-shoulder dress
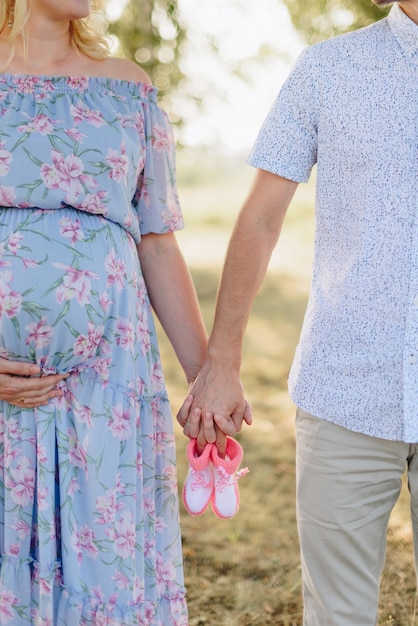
89,522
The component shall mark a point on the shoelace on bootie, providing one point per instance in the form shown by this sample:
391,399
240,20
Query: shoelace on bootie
226,480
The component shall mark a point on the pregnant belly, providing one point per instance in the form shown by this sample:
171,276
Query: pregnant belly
66,287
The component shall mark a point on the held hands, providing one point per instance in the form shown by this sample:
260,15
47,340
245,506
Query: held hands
21,384
214,408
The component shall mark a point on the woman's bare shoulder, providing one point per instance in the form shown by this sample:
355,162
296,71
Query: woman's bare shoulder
124,69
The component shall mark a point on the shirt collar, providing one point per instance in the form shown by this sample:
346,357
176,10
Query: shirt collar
404,30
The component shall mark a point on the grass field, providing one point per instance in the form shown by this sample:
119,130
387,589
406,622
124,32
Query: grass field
245,571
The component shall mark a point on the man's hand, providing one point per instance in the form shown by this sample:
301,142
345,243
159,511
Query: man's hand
22,385
214,408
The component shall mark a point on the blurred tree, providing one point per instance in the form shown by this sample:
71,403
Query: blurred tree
320,19
150,32
162,37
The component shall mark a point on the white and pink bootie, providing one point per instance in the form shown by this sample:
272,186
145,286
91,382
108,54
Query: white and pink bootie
213,479
198,486
225,497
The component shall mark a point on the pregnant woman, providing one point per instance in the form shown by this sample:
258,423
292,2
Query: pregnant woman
89,528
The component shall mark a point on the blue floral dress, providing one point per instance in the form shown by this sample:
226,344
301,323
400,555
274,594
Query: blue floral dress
89,523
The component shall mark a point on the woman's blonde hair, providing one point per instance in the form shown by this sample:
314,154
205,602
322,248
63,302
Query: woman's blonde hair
88,35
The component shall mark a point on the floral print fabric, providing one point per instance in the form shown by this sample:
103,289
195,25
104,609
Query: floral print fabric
99,145
89,524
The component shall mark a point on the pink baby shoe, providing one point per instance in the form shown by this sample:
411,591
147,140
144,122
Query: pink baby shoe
198,486
225,496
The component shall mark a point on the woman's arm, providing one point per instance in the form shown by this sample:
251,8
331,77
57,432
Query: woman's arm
173,298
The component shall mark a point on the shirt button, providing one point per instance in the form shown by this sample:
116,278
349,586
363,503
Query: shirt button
412,359
416,301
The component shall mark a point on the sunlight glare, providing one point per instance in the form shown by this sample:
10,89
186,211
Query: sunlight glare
222,60
114,9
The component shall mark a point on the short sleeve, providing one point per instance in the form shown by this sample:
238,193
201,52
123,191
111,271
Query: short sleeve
287,142
156,200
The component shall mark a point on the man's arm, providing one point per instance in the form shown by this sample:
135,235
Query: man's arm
217,391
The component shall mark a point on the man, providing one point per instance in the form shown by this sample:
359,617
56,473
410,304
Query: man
350,105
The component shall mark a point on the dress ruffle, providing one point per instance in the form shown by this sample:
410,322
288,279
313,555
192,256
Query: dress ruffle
53,604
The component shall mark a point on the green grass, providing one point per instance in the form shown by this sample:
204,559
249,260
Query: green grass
246,571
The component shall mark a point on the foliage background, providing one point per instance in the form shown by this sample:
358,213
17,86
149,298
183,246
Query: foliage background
321,19
155,32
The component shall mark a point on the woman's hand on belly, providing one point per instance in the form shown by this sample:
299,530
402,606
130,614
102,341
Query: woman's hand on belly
22,385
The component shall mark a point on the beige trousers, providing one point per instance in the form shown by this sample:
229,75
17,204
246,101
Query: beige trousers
347,485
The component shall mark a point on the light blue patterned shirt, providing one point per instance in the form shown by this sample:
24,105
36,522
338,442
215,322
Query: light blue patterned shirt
351,106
